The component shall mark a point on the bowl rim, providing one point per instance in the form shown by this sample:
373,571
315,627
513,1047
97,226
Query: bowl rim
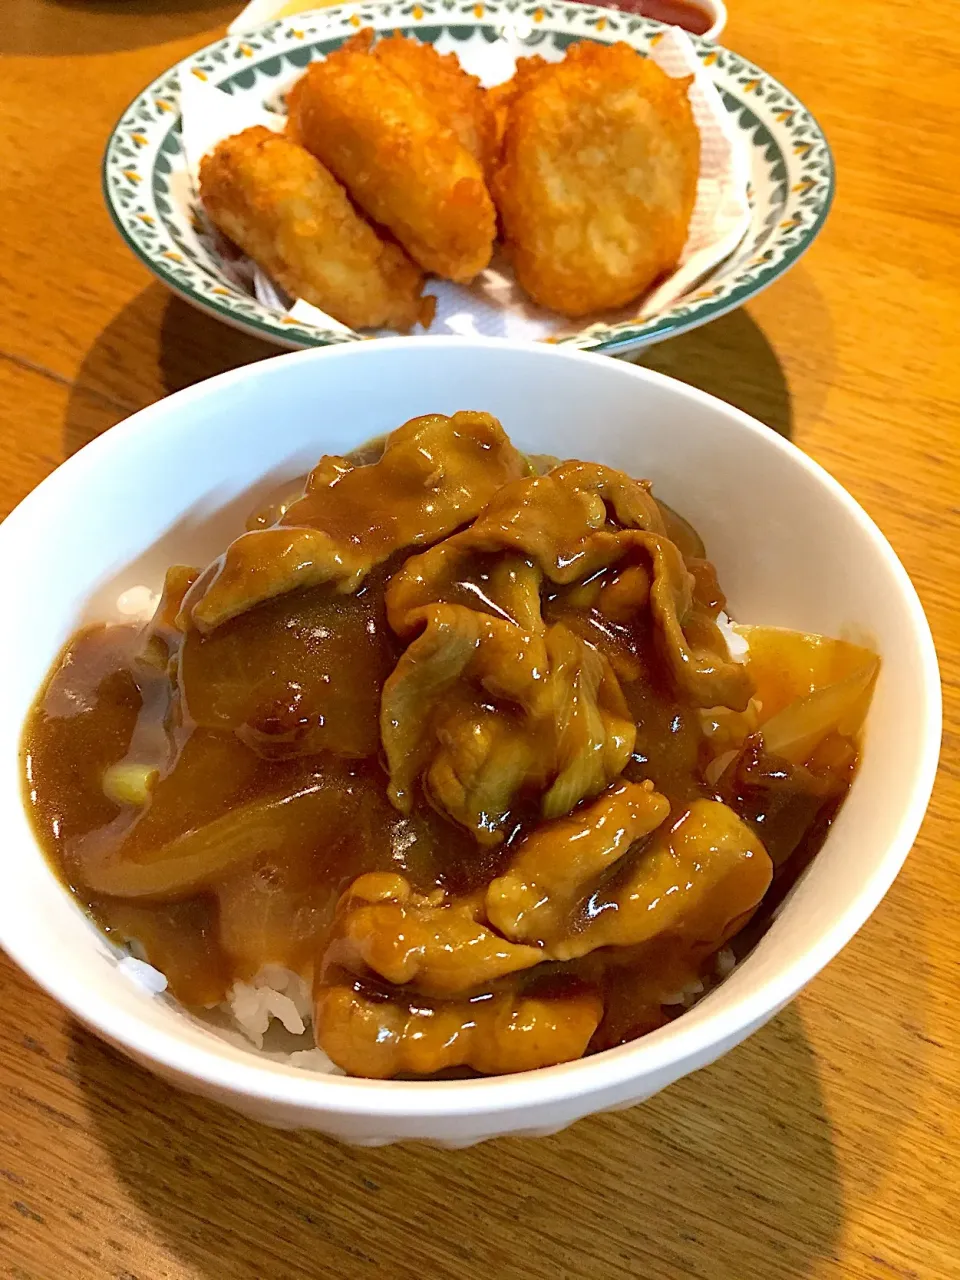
715,9
278,1083
718,9
686,313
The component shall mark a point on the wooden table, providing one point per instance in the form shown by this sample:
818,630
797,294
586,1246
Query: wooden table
827,1145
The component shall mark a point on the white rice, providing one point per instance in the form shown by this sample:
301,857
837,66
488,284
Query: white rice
686,995
724,963
139,604
143,975
275,993
737,645
274,1011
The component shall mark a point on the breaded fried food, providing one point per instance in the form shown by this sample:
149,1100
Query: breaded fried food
406,169
597,179
283,208
501,96
455,98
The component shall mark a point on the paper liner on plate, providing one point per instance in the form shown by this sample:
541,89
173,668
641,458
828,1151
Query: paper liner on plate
494,305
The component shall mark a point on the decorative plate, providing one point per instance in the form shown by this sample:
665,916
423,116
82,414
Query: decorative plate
145,171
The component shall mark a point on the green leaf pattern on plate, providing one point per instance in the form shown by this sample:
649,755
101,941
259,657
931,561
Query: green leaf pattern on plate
792,166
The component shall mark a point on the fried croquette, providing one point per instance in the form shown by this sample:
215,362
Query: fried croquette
406,169
597,178
501,96
455,98
282,207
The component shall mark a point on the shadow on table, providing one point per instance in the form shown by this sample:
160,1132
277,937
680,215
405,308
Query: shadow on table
729,1173
48,28
159,344
730,358
156,345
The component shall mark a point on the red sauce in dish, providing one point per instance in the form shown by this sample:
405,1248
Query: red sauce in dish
680,13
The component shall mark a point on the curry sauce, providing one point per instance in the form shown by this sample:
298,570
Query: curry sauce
459,740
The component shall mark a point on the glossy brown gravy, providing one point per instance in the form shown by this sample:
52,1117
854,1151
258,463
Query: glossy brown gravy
478,867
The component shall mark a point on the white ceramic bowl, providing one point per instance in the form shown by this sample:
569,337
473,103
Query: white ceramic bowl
792,549
718,12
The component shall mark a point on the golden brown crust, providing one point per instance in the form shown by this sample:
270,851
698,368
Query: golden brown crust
408,171
291,216
597,179
501,96
456,98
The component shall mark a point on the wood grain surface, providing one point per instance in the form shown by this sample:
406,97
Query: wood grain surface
828,1145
